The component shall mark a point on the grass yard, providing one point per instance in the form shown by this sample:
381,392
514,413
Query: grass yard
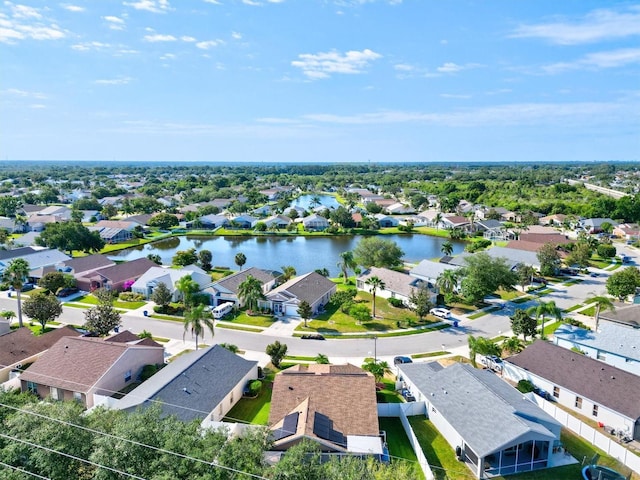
232,326
388,394
430,354
550,328
482,313
521,299
398,443
573,281
91,300
254,410
255,320
509,294
574,308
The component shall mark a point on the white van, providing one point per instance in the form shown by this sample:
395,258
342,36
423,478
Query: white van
221,310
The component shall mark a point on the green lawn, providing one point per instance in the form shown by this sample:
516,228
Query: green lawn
254,410
575,307
482,313
91,300
430,354
388,394
398,442
255,320
550,328
233,326
509,294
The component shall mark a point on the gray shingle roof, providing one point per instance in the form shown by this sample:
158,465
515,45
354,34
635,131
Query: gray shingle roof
396,282
208,376
612,337
309,287
603,384
460,390
430,270
233,281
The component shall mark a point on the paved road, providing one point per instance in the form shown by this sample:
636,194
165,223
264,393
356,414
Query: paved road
490,325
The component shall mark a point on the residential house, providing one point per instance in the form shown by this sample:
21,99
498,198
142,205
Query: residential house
312,287
226,289
244,221
209,222
152,278
20,347
357,219
629,232
117,224
115,276
600,392
37,223
492,229
625,314
516,436
299,211
10,225
141,220
37,258
557,220
430,271
79,265
456,221
26,240
262,211
396,285
430,218
277,221
62,212
112,235
386,221
315,222
115,201
400,209
594,225
201,385
512,256
385,203
614,343
76,368
331,405
89,216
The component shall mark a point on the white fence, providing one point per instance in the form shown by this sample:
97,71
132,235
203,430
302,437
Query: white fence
590,434
402,411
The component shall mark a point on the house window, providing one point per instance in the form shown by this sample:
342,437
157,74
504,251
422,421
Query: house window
556,392
594,412
127,376
601,355
55,394
77,396
578,403
231,398
32,387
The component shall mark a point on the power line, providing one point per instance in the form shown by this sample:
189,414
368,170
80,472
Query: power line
22,470
73,457
134,442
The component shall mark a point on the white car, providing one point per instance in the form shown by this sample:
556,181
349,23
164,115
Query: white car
440,312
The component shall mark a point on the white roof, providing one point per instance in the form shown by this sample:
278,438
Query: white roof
363,444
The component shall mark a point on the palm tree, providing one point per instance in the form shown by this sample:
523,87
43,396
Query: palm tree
187,286
15,274
601,302
196,320
346,264
378,369
447,248
250,291
437,219
288,272
240,259
375,284
447,281
543,309
513,345
322,359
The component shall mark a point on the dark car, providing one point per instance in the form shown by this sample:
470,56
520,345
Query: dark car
312,336
65,292
399,360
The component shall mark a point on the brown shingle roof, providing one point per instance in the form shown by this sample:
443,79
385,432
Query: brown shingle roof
21,344
344,393
126,271
542,238
90,262
605,385
75,363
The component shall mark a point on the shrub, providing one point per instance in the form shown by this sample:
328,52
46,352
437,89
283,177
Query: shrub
478,245
606,251
131,297
255,386
149,371
169,310
396,302
360,312
525,386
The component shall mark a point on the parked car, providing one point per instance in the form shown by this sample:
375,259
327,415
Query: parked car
542,393
493,362
312,336
440,312
399,360
65,292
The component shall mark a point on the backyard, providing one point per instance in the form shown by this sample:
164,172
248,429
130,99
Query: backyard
254,410
398,443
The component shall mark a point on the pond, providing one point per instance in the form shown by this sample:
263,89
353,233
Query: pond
309,202
304,253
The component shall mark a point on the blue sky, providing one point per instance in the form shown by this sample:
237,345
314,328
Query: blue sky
320,80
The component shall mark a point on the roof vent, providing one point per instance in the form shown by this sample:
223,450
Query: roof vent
184,389
290,387
612,377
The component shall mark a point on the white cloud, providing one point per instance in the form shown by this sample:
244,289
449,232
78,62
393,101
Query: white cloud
168,56
404,67
213,2
597,61
87,46
159,38
252,3
208,44
597,25
154,6
15,92
450,67
73,8
455,95
37,106
114,23
26,22
186,38
498,115
236,36
322,65
113,81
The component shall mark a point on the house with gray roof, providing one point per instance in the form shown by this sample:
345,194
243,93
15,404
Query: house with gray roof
202,385
89,263
601,392
396,284
509,433
429,271
226,289
614,343
114,276
37,258
152,278
311,287
315,222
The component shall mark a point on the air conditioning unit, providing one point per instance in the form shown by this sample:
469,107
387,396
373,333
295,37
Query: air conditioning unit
18,366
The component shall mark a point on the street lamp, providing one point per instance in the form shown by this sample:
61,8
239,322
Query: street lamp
375,348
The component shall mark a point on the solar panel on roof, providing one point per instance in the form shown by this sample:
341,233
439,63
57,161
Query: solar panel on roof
289,427
323,428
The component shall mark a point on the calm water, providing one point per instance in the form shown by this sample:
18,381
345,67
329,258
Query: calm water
304,253
304,201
